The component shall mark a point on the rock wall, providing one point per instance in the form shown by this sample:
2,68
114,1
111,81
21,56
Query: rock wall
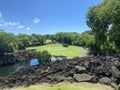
11,58
7,59
24,55
100,69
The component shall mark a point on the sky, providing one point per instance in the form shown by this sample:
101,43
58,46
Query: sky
44,16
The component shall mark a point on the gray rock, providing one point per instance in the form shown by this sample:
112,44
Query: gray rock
82,77
69,79
114,86
115,71
57,78
105,80
118,87
79,68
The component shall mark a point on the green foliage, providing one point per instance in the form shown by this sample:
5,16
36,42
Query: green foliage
30,40
84,39
8,43
104,20
43,56
24,41
37,40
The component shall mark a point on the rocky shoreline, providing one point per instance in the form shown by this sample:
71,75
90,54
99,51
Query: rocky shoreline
99,69
11,58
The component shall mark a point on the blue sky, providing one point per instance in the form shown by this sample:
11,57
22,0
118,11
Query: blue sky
44,16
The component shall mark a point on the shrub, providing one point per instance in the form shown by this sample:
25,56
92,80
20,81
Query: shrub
43,56
65,45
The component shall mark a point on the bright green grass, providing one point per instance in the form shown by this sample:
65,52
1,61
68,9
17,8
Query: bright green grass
48,41
58,49
63,87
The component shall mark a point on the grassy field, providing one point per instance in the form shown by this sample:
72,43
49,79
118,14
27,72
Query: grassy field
48,41
65,86
54,88
58,49
61,87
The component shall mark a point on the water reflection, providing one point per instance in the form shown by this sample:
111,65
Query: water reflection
34,62
5,70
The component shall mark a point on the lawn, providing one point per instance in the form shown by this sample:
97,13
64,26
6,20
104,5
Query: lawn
58,49
61,87
65,86
48,41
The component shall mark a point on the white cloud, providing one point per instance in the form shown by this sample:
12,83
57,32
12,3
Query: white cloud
36,20
28,28
20,26
11,23
0,15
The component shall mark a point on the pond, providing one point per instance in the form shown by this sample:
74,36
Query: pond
5,70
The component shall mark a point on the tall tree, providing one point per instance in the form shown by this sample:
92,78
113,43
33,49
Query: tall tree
8,43
104,19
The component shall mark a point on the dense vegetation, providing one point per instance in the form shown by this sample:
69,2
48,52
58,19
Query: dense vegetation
10,42
43,56
72,38
104,20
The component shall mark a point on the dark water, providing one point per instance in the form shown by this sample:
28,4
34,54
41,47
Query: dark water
5,70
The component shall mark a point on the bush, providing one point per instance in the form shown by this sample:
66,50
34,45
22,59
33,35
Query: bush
43,56
65,45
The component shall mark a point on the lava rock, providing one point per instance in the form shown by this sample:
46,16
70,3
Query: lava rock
82,77
105,80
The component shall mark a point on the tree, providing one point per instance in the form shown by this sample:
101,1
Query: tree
37,40
104,19
8,43
24,40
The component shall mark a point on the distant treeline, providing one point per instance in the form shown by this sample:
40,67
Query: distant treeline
72,38
10,42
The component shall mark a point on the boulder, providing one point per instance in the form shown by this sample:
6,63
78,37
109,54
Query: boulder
105,80
82,77
95,79
80,69
115,71
114,86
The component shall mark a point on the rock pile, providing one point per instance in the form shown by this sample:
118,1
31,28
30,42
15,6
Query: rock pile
24,54
99,69
20,55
